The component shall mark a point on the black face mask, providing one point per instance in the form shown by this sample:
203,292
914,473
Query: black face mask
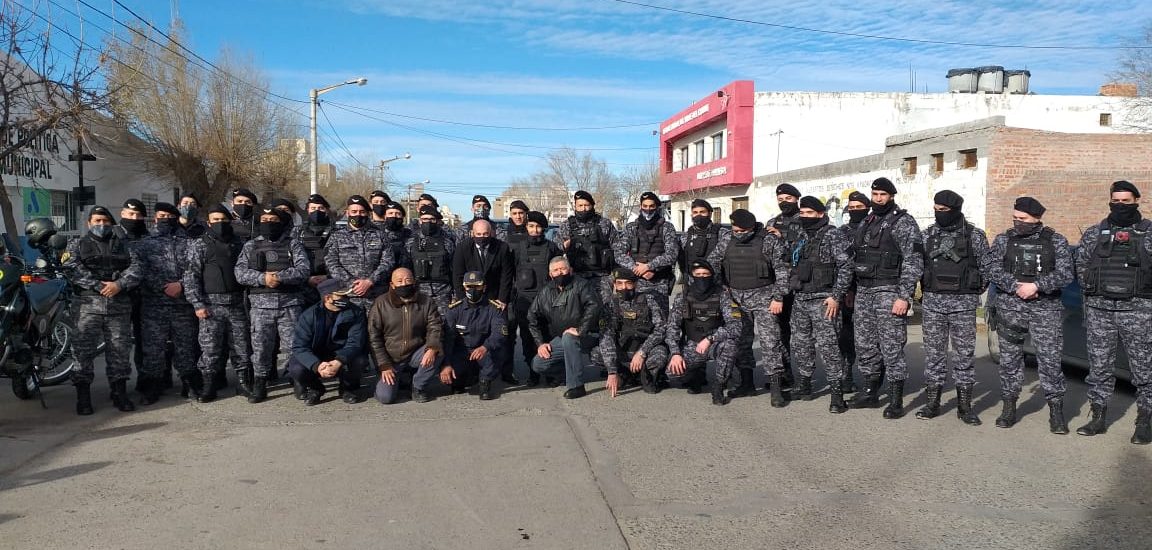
627,294
379,210
319,217
428,228
537,239
585,216
946,220
357,221
474,295
406,291
481,241
743,237
222,230
135,227
1026,228
883,210
243,211
393,224
700,286
271,230
167,226
809,223
857,216
563,280
341,302
789,208
101,232
701,221
1124,215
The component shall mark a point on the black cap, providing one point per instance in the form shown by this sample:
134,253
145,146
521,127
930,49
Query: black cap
625,274
317,198
1030,206
1122,185
473,278
787,189
332,286
857,196
743,219
518,205
583,195
285,217
396,206
481,198
427,197
537,218
190,196
649,196
220,209
136,205
357,199
285,202
380,193
101,211
885,185
696,264
701,203
813,203
243,192
949,199
429,210
167,207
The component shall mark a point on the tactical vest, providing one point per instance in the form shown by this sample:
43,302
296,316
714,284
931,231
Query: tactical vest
531,267
1120,268
243,229
745,266
516,234
1027,258
107,260
789,228
590,249
647,244
271,256
809,274
314,244
949,264
430,260
219,271
699,244
702,317
878,258
635,326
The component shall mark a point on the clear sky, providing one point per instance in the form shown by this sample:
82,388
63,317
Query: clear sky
566,64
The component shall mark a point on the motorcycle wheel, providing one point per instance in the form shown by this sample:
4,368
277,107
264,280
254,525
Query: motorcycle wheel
21,387
59,360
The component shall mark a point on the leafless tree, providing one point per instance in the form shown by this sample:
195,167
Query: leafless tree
633,182
1135,67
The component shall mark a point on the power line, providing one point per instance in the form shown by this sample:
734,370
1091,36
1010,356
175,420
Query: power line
873,36
339,139
498,127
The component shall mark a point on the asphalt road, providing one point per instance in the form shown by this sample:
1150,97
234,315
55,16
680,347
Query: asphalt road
531,470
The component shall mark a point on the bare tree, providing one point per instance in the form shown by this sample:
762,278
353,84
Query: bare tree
1136,68
633,182
48,85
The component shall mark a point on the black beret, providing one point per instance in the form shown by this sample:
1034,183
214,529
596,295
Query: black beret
859,197
380,193
219,209
1030,206
787,189
813,203
949,199
743,219
427,197
242,192
481,198
101,211
701,203
621,273
429,210
190,196
285,217
650,196
136,205
285,202
1122,185
696,264
396,206
885,185
317,198
538,218
167,207
518,205
357,199
583,195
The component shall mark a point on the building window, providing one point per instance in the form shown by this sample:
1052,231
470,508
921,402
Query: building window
967,159
698,150
910,167
718,146
1105,119
683,157
937,164
717,215
740,203
63,213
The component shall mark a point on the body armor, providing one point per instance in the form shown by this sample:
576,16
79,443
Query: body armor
219,271
105,259
878,258
314,239
702,316
1119,267
531,267
647,244
635,326
430,260
809,274
271,256
590,249
949,266
745,266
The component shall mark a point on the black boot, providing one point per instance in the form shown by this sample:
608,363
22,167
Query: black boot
1097,421
220,378
259,390
848,383
486,392
931,409
964,406
84,399
1056,422
1007,417
209,391
298,390
694,381
149,390
533,379
194,381
895,408
787,380
869,398
648,382
244,381
837,406
747,387
718,396
1143,433
166,379
120,398
777,392
803,389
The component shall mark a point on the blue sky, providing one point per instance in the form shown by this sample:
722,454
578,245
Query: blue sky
596,63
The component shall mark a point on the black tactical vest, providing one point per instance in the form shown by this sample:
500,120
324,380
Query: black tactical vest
878,257
745,266
271,256
516,234
243,229
590,249
647,244
809,273
635,325
699,244
105,259
789,228
531,267
219,271
702,317
1119,267
1026,258
949,264
430,260
315,238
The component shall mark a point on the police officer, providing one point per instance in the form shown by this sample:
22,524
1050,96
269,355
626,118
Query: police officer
211,287
820,275
649,248
396,234
1114,264
786,226
516,230
102,267
133,229
378,206
531,257
166,315
481,210
290,208
756,273
704,324
1030,266
330,341
313,232
275,268
888,263
431,249
587,238
424,200
858,206
358,256
956,259
475,339
189,207
243,210
632,336
699,241
563,318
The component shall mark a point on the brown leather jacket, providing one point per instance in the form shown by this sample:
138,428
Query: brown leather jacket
397,328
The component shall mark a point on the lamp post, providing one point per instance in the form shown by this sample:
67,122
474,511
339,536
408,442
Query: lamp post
314,96
383,167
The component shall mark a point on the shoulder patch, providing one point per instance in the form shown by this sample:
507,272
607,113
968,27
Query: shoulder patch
456,303
65,257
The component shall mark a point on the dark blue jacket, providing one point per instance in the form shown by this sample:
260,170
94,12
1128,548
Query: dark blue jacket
346,341
470,326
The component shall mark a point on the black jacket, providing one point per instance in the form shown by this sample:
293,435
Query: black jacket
346,341
498,268
555,310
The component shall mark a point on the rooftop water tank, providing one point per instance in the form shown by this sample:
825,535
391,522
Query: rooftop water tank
962,81
1016,82
991,79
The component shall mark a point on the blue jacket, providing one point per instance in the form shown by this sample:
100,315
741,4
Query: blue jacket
346,341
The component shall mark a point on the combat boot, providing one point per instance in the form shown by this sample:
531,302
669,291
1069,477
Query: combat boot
931,409
747,387
209,391
220,378
259,390
803,389
848,384
694,381
718,396
648,382
1097,421
84,399
244,381
777,393
1056,422
869,396
486,393
1007,417
1143,433
194,381
837,406
895,408
149,389
964,406
120,398
533,379
166,379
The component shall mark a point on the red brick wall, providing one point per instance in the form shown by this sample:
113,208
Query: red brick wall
1068,173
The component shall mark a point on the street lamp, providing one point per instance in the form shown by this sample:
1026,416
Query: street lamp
383,167
314,96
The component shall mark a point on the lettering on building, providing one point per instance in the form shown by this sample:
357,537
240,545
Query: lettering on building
19,163
685,119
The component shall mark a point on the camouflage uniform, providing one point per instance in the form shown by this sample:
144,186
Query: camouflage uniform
227,324
137,337
315,240
659,248
700,244
614,354
427,260
360,254
102,319
789,228
398,241
825,249
273,311
590,251
166,319
725,338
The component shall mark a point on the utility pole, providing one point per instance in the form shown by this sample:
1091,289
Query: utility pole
81,196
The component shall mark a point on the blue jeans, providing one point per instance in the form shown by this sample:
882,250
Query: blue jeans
410,368
567,358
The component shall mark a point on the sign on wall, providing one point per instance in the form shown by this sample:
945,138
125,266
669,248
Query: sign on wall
37,203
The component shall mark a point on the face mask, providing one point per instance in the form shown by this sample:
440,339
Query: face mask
167,226
744,237
341,302
101,232
482,212
379,210
481,241
857,216
243,211
585,216
1124,215
189,212
406,291
1025,228
700,285
222,230
627,294
701,221
948,219
393,224
135,227
318,217
270,230
474,295
809,223
648,214
883,210
537,239
428,228
357,221
789,208
563,280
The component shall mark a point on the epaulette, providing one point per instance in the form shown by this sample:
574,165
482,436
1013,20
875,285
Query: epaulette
456,303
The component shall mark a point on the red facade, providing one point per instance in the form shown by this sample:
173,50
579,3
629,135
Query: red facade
734,105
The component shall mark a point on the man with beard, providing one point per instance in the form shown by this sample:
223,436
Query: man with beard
704,323
243,209
889,261
699,241
586,238
786,226
358,256
648,248
517,228
531,257
431,250
858,206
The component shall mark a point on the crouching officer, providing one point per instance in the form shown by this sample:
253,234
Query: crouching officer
632,335
706,325
475,339
330,341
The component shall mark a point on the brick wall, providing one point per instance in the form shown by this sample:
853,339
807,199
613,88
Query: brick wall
1068,173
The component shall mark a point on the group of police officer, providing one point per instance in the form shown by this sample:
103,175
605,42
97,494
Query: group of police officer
796,284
